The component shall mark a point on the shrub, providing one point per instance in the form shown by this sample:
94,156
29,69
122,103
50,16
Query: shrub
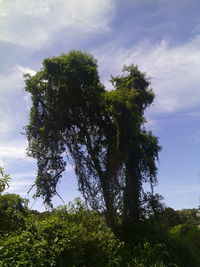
13,211
187,239
62,239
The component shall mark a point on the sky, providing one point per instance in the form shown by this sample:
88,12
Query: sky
162,37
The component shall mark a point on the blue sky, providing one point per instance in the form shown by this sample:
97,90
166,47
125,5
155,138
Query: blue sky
161,37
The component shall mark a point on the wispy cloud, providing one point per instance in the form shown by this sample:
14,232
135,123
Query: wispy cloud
26,70
12,102
18,185
14,149
39,20
174,71
192,138
13,115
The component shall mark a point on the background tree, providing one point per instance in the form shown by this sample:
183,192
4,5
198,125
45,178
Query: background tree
191,216
13,208
4,180
74,119
13,211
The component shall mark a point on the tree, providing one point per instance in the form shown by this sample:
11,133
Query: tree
74,119
12,207
4,180
169,218
189,216
13,210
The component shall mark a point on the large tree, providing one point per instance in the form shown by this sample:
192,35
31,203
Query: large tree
74,120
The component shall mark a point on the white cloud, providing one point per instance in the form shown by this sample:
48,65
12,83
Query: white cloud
21,181
12,103
14,116
14,149
18,185
13,154
21,188
174,71
25,70
31,23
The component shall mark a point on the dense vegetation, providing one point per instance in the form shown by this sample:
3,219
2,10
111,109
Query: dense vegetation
74,120
73,235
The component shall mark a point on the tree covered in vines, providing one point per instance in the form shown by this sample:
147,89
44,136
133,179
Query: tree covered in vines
75,120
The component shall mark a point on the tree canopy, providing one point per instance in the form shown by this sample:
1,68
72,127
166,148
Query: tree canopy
75,120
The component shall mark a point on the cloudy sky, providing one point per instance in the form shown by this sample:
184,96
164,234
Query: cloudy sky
162,37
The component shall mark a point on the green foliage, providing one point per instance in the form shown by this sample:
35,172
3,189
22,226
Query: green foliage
191,216
4,180
189,234
13,211
74,235
147,254
168,218
151,244
76,238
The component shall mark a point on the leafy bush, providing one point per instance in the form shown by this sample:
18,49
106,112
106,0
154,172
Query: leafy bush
73,235
189,233
146,254
191,216
187,238
13,211
62,239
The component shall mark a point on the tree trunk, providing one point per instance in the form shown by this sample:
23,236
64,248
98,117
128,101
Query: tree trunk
132,193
